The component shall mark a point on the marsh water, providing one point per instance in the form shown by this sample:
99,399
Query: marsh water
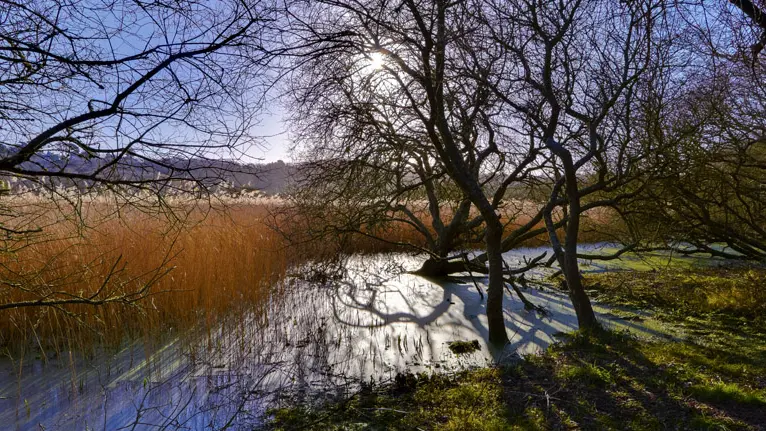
318,340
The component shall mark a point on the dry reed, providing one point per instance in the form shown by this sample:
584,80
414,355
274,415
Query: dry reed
200,271
213,265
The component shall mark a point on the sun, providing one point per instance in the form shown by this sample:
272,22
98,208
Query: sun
376,61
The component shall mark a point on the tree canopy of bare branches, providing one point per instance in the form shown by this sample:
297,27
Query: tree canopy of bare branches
128,97
491,96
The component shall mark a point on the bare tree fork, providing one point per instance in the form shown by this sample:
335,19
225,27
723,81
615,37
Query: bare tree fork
513,281
566,255
466,263
582,70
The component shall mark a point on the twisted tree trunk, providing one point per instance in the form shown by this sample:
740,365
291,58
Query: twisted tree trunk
567,255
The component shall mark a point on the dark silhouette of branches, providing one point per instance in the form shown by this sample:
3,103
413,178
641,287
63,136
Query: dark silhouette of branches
124,102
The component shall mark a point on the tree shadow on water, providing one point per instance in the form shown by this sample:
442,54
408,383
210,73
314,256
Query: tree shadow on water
443,310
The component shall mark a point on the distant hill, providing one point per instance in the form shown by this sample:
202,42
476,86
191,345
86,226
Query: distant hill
215,174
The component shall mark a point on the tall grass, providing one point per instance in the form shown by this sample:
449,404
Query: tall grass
185,274
176,275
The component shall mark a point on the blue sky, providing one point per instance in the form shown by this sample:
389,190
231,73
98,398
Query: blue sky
273,131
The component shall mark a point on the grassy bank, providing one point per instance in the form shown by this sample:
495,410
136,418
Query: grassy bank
714,378
735,295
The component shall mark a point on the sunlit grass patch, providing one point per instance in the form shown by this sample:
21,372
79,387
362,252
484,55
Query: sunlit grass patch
734,294
585,373
471,400
727,393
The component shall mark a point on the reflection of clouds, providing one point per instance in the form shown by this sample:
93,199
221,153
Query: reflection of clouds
317,341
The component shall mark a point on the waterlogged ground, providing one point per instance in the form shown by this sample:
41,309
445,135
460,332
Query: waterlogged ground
320,340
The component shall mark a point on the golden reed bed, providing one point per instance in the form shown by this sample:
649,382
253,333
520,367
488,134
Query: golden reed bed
174,269
174,274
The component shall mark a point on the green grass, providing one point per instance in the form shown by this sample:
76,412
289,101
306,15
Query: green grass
715,378
584,373
616,381
727,393
467,401
730,295
604,381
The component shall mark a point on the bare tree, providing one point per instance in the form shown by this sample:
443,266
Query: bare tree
499,95
134,98
575,66
426,86
364,164
708,113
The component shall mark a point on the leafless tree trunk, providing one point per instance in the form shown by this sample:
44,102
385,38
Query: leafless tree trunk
567,255
425,86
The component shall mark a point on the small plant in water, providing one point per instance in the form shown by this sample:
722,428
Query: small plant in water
462,347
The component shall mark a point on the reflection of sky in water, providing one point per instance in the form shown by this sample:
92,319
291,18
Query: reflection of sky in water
371,325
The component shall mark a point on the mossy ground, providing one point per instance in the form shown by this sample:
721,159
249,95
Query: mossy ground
715,378
468,400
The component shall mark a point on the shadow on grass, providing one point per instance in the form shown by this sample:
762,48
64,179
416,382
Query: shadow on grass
613,381
603,381
712,376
